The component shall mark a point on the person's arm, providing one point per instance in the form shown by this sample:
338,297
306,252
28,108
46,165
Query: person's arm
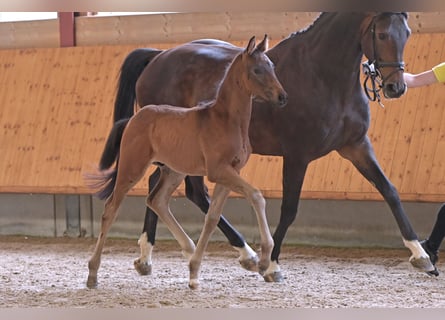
436,74
419,79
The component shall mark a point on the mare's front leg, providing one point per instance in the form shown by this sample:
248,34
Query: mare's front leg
363,158
293,175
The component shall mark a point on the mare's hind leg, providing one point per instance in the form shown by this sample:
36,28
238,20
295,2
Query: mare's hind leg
158,201
363,158
197,192
146,242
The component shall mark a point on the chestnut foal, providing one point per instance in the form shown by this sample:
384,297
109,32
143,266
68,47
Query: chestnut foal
210,139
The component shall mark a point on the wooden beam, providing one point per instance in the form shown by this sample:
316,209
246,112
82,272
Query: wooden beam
67,29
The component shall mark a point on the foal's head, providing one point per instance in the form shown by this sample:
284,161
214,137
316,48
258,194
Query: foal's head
260,78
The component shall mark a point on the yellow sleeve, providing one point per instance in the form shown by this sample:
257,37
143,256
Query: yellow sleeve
439,72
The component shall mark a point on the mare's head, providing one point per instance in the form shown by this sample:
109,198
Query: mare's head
383,42
260,78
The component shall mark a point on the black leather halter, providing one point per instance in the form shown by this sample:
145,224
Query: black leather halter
371,70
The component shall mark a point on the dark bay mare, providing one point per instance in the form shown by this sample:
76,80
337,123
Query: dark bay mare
210,139
327,110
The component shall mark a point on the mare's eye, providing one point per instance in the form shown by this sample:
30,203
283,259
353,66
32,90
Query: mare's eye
382,36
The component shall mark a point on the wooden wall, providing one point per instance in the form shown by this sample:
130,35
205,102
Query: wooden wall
56,105
179,27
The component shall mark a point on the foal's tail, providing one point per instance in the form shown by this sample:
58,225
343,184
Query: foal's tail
104,180
131,69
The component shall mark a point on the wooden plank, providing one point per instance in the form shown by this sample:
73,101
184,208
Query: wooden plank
431,131
426,22
178,28
412,116
183,27
29,34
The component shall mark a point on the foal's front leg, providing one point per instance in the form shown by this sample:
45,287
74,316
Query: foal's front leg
232,180
220,195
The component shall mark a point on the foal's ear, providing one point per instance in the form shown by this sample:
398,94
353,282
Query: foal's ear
251,46
263,45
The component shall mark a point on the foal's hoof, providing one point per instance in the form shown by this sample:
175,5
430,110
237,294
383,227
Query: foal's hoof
194,284
143,268
92,282
250,264
423,264
276,276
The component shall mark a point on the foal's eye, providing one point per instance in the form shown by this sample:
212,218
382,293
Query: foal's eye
257,71
382,36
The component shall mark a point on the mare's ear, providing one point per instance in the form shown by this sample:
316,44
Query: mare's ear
251,46
263,45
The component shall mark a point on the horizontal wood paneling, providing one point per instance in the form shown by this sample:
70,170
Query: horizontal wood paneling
55,113
178,27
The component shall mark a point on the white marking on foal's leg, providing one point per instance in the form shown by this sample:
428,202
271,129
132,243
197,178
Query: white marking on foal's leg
274,267
418,253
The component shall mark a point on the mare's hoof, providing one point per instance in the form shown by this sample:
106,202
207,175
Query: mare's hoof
275,276
434,257
423,264
434,273
92,282
194,284
143,268
250,264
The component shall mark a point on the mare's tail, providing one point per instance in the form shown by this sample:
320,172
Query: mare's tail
131,69
104,180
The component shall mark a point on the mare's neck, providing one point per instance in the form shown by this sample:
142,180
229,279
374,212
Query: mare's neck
233,98
331,43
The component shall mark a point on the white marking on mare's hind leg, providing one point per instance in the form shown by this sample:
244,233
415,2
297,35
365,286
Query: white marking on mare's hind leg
248,258
419,259
143,264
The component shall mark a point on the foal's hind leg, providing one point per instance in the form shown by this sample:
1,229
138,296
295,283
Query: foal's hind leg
363,158
123,185
158,201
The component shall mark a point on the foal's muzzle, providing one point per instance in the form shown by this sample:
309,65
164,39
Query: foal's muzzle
282,99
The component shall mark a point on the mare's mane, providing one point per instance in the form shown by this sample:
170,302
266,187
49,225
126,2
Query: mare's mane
309,27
